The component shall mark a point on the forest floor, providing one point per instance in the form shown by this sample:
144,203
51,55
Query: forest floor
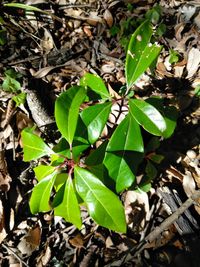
43,55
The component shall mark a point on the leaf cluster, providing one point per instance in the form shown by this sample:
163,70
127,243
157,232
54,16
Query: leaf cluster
79,172
12,85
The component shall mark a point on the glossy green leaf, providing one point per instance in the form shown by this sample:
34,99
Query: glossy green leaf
61,149
156,158
96,157
26,7
57,160
127,136
41,193
119,170
11,85
60,180
67,109
3,34
150,170
41,171
95,118
170,115
144,186
103,205
141,53
147,116
19,99
69,208
33,146
96,84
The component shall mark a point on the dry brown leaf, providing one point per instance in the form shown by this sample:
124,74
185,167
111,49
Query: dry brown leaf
35,2
9,113
5,178
108,17
41,73
162,71
34,237
109,242
13,261
93,19
8,131
178,71
188,184
77,241
136,208
47,42
44,257
23,121
2,223
87,31
30,242
193,62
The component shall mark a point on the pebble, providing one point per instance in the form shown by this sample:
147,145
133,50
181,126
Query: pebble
191,154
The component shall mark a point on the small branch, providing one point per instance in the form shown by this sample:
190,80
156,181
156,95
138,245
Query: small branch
170,220
15,255
163,226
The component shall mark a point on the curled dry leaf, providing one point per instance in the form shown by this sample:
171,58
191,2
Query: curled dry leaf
87,31
77,241
41,73
5,178
30,242
136,208
44,257
22,121
193,62
47,42
9,113
93,19
2,223
188,184
108,17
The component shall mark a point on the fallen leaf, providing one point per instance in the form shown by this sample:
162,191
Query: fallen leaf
34,237
193,62
45,257
5,178
108,17
47,42
3,233
188,184
136,208
77,241
30,242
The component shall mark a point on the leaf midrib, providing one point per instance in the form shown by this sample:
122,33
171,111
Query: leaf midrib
97,198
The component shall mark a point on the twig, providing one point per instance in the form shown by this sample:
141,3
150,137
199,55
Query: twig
15,255
170,220
158,230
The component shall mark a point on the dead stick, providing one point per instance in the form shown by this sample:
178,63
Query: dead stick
164,225
167,222
172,218
15,255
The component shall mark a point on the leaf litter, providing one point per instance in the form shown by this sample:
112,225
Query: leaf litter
56,55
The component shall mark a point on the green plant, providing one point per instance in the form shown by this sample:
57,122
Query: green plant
173,56
128,25
197,90
79,173
12,85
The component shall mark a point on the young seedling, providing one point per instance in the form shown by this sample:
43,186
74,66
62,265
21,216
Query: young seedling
79,172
